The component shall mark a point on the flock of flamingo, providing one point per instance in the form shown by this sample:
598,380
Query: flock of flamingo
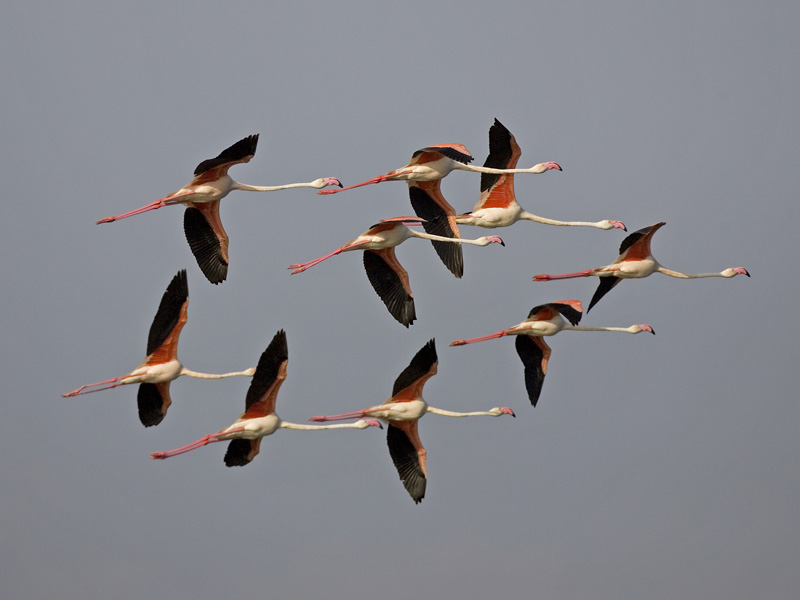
496,207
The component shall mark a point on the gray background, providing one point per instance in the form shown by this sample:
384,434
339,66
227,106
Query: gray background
653,467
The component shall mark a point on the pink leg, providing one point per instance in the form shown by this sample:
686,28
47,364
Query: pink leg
300,267
491,336
80,391
378,179
203,441
353,415
147,207
564,275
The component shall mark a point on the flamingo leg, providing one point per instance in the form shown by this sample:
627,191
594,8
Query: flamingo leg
203,441
353,415
586,273
80,390
300,267
491,336
379,179
161,202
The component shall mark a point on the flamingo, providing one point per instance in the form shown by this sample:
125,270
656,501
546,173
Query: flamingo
434,162
259,418
497,206
634,262
403,411
161,365
545,319
385,273
201,222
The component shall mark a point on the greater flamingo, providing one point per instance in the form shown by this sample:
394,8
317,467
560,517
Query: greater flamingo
259,418
385,273
403,411
545,319
634,262
161,365
497,206
434,162
201,222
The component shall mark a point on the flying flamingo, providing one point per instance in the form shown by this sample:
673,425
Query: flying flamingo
545,319
385,273
434,162
402,412
201,222
497,206
259,418
161,365
634,262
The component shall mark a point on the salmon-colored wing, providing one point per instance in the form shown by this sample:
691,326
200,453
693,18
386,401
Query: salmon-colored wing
207,239
456,152
390,281
439,219
153,400
636,246
240,452
268,378
214,168
534,353
408,457
571,310
170,318
409,384
497,191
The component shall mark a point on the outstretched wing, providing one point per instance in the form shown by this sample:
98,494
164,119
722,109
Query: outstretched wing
268,378
171,315
207,240
606,284
534,353
497,190
153,400
214,168
636,246
390,281
571,310
240,452
456,152
408,457
421,368
439,219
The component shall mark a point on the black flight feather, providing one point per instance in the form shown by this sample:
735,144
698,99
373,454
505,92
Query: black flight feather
500,152
241,149
531,355
204,245
422,362
169,311
447,151
268,367
406,460
386,283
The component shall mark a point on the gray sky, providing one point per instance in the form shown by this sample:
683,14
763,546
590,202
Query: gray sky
653,467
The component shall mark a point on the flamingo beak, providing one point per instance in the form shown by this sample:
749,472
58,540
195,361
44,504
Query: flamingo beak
496,240
553,165
647,328
507,411
619,225
741,271
374,423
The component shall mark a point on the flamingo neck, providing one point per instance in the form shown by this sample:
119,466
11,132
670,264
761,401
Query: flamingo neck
246,373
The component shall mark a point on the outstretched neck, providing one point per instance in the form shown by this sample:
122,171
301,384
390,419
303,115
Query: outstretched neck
531,217
450,413
267,188
246,373
631,329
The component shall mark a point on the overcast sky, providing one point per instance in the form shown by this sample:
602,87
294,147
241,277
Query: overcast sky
659,466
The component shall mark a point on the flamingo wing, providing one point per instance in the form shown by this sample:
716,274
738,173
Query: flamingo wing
606,284
636,246
534,353
421,368
408,457
439,219
240,452
153,400
390,281
456,152
207,240
214,168
170,310
497,190
268,378
570,309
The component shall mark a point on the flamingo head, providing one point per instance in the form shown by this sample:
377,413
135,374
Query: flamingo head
325,182
547,166
643,327
502,410
616,225
494,239
735,271
370,423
